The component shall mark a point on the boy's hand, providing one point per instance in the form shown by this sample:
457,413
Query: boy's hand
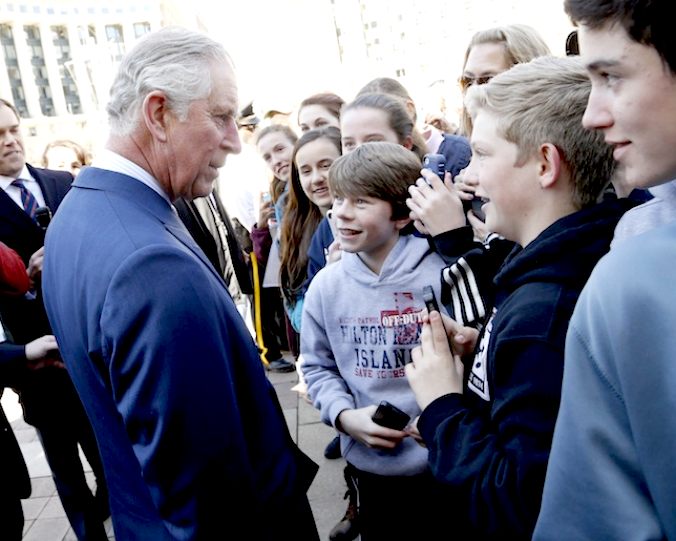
358,424
435,370
35,263
43,352
463,339
435,206
334,252
466,183
479,227
413,431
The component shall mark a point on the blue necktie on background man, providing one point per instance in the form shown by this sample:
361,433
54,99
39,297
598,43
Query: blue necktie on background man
30,204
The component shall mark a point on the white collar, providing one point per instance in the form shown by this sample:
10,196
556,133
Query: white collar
112,161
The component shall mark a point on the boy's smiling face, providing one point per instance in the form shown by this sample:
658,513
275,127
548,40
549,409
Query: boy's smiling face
505,186
365,226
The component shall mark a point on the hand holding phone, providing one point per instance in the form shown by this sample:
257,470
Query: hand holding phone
390,416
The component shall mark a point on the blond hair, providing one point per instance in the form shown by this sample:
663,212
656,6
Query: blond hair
543,101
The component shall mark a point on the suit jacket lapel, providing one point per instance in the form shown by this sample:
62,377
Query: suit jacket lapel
11,212
46,185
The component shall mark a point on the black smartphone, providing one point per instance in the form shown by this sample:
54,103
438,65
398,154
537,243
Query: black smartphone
435,163
476,205
430,299
390,416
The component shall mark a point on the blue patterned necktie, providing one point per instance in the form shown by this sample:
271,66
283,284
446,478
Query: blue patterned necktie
30,204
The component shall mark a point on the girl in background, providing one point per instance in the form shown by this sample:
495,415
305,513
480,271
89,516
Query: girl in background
320,110
308,201
275,144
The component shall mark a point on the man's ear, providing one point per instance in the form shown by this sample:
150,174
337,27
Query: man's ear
549,166
156,114
408,142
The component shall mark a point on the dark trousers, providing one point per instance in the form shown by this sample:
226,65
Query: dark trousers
60,442
396,507
11,517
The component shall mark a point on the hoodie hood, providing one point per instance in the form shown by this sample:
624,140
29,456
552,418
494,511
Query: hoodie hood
406,255
565,252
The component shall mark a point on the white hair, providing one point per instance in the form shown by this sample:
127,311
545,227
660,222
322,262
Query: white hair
173,60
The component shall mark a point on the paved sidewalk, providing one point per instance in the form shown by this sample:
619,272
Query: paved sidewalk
46,520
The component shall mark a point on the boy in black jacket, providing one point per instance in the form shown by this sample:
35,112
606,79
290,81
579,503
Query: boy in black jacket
488,426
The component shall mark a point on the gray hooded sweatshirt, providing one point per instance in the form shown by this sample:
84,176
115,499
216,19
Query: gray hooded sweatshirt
358,332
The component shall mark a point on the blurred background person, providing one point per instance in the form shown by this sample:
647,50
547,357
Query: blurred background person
320,110
65,155
494,50
275,144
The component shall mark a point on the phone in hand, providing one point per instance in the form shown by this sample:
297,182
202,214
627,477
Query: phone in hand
430,299
390,416
476,205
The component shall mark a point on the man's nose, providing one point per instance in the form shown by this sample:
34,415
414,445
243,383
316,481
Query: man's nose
231,141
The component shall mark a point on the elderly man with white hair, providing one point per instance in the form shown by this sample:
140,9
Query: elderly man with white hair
192,437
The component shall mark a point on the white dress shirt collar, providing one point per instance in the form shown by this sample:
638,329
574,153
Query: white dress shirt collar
112,161
28,181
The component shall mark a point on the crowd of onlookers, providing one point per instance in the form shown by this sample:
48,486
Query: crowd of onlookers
481,313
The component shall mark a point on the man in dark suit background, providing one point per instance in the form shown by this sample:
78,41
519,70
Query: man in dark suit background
192,436
14,361
209,225
47,396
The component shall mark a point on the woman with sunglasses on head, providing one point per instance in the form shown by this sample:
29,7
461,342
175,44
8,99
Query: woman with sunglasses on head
494,50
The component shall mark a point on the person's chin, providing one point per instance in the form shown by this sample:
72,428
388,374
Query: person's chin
202,188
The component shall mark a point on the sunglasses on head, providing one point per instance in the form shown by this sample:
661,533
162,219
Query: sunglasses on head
466,82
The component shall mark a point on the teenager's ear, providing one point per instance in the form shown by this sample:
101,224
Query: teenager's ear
550,163
156,114
401,223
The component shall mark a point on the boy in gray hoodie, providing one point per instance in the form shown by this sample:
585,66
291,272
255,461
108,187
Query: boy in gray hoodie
361,319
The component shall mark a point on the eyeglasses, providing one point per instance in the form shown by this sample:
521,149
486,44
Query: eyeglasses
466,82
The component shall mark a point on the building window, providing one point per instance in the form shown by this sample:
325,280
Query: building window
115,40
140,29
13,72
62,48
39,70
87,35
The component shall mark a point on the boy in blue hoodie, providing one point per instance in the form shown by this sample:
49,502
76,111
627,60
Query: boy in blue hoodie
488,424
612,470
361,319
